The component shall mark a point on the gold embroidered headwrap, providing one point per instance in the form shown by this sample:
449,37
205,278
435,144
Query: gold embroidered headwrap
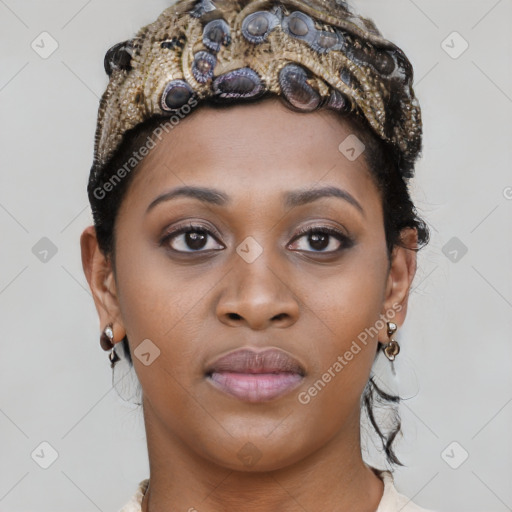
311,53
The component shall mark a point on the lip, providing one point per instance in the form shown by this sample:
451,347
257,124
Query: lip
255,375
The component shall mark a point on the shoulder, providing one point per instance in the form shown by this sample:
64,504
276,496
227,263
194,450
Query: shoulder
406,505
392,500
134,505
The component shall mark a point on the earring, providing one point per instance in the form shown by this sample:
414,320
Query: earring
392,348
106,341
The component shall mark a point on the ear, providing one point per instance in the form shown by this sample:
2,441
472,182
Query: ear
401,273
100,276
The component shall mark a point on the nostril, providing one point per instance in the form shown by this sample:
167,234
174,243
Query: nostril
234,316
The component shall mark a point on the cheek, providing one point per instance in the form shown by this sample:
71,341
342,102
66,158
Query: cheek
343,353
349,299
164,303
344,312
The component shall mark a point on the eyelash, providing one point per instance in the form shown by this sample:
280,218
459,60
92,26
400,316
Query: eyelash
345,241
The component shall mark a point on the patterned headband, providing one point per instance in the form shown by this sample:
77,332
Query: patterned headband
311,53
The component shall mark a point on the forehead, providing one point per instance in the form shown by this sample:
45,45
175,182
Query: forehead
259,149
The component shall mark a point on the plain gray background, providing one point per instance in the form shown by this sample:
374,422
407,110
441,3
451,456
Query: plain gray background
455,364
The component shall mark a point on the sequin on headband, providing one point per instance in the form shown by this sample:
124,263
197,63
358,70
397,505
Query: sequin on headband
311,53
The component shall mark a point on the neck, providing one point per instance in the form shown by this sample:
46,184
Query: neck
334,478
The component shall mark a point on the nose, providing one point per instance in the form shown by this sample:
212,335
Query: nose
257,296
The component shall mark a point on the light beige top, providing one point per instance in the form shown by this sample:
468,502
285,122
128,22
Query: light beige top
391,501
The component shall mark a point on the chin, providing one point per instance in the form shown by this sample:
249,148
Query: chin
256,453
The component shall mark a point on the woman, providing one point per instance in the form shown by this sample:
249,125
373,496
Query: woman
254,261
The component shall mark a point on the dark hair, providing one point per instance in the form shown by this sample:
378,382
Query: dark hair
399,212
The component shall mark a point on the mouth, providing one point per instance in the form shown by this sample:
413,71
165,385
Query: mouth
255,376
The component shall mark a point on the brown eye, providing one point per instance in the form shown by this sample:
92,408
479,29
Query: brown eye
323,240
191,238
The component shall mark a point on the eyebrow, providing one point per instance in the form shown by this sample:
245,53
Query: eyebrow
291,199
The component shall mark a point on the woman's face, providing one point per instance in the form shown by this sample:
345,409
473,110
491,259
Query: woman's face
245,277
